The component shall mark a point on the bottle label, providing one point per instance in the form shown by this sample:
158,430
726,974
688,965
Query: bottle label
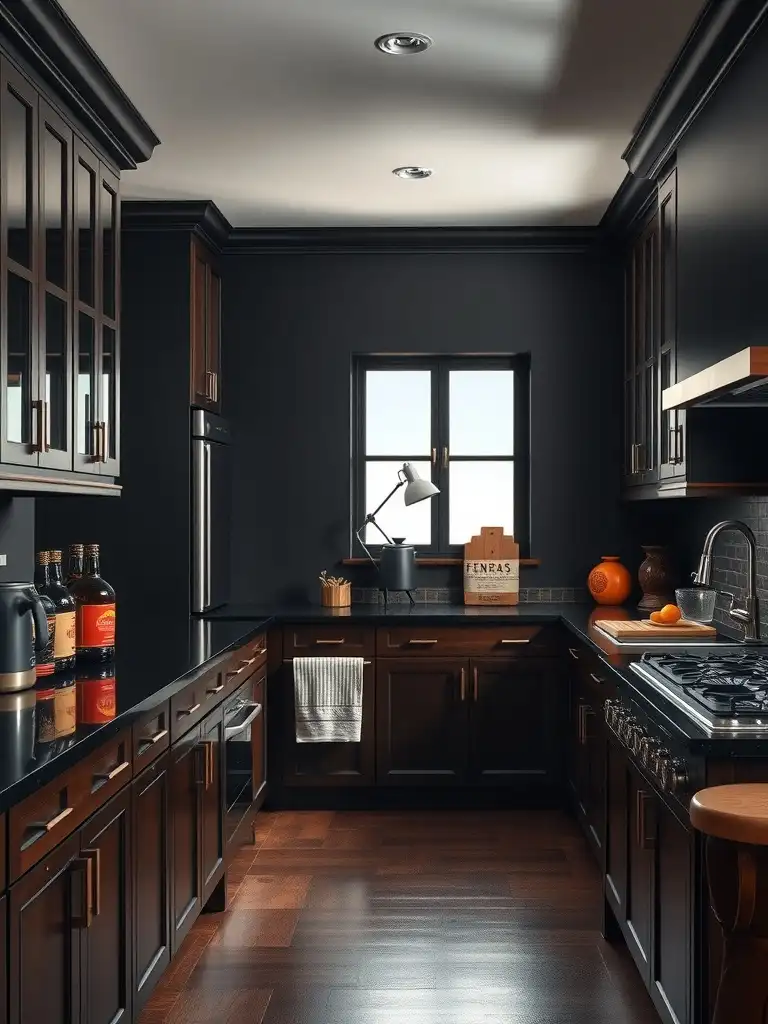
66,632
45,664
95,625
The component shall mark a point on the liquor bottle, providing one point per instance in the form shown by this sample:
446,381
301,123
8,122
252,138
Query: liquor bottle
52,587
45,662
75,569
95,602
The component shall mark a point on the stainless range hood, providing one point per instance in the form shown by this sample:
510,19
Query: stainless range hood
740,380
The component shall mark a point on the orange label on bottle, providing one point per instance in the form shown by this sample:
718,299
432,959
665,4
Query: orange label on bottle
95,625
66,633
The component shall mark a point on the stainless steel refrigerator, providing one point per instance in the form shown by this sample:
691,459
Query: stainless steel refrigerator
211,510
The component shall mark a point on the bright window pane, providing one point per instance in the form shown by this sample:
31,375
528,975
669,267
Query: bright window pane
482,494
398,413
482,412
414,522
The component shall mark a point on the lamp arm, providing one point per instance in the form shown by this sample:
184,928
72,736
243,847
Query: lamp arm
371,518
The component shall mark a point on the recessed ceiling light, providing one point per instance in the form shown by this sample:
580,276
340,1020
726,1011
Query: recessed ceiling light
403,42
412,173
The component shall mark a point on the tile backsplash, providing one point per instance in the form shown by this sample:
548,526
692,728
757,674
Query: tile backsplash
455,595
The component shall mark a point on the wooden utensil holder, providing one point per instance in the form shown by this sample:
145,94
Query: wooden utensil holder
336,597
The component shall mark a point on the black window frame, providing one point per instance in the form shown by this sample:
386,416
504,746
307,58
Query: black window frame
440,427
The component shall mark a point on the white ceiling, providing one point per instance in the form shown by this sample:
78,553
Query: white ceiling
284,113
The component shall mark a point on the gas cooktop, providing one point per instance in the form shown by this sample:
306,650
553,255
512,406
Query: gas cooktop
723,692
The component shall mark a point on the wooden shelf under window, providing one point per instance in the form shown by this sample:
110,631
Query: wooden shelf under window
436,561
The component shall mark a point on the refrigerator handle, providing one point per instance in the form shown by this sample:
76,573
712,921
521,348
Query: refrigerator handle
207,525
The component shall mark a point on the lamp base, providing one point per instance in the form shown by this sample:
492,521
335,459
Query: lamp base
385,592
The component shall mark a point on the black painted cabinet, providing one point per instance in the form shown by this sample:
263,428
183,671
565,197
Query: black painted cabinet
617,824
515,714
106,980
59,292
586,750
641,808
151,859
675,924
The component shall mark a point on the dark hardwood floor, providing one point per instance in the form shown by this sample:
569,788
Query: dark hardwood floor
414,917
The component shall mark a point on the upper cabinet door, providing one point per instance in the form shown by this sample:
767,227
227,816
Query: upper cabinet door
672,429
55,289
109,351
205,327
21,435
87,325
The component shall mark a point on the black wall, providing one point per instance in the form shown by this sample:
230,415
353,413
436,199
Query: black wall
17,539
723,217
292,324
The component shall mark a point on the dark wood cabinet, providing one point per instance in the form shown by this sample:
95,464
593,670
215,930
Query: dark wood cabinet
641,808
515,715
212,804
48,909
186,778
205,327
151,875
107,943
59,291
421,721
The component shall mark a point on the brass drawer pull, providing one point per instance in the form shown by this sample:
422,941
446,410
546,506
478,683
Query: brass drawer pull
526,641
95,856
216,689
148,741
261,650
108,776
333,643
463,684
476,685
49,825
189,711
422,641
241,668
84,865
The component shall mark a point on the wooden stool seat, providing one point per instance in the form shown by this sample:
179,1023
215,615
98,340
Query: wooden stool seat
738,813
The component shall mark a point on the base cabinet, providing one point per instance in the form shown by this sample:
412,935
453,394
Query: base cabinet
586,748
151,903
640,871
186,778
674,925
421,721
212,805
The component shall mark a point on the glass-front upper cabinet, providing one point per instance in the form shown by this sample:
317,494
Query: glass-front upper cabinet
55,309
22,411
109,351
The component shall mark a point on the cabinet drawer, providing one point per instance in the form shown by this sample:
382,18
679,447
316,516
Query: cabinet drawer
463,641
244,662
41,821
194,702
342,640
595,676
151,736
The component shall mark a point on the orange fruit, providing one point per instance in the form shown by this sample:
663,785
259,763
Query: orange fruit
669,614
656,617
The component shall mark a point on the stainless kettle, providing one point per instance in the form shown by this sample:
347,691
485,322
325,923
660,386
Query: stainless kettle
20,607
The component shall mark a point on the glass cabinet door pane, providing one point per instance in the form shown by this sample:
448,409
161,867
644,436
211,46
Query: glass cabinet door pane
86,391
109,390
85,215
18,385
55,176
109,235
56,371
18,126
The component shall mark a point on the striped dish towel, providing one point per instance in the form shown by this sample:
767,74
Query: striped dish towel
328,697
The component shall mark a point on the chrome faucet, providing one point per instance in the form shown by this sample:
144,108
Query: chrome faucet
748,616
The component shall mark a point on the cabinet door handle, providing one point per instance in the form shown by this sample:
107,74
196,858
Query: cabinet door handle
244,665
39,444
215,387
94,855
573,653
46,427
434,456
416,642
679,445
148,741
104,437
48,826
596,679
84,867
261,650
201,773
108,776
526,641
329,643
475,683
580,724
644,841
445,458
188,711
207,746
216,689
463,687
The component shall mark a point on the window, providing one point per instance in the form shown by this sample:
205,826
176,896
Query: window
461,422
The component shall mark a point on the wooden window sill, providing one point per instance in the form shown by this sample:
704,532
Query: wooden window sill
436,561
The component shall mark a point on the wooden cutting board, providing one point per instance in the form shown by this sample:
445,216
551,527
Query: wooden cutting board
645,629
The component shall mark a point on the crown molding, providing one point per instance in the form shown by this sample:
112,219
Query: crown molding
197,216
328,241
718,36
632,199
47,41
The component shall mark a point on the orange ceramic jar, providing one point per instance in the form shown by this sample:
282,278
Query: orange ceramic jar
610,582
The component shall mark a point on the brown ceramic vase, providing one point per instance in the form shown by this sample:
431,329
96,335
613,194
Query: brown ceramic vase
657,579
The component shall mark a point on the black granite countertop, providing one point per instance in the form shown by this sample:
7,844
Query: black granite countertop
45,730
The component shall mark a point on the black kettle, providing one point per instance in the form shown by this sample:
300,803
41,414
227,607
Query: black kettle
20,606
